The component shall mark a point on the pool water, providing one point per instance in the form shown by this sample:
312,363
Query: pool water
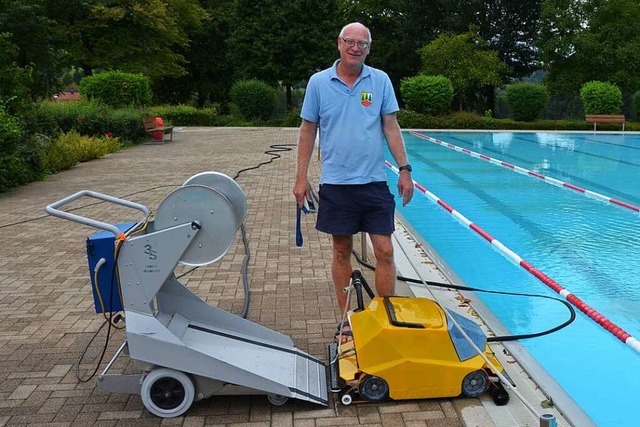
589,246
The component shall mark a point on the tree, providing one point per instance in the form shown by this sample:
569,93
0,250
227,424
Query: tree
510,27
283,41
591,40
210,73
15,95
128,35
38,42
466,61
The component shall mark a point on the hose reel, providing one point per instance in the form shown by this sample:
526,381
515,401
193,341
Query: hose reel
216,203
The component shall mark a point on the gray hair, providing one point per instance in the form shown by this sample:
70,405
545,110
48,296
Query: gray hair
352,25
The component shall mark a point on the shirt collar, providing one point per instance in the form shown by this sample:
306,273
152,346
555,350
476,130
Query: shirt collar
366,71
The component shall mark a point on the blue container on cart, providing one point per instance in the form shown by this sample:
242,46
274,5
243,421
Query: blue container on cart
102,245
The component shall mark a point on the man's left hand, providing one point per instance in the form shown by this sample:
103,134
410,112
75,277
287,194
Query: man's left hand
405,187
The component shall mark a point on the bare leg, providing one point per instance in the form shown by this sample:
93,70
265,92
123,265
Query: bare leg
341,268
385,275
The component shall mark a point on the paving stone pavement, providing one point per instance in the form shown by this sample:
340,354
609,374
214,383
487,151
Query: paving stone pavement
46,307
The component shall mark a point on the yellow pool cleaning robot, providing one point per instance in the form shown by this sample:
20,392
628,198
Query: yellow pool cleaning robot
408,348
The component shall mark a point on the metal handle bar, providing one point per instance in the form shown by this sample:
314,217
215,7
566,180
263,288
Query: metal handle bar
52,209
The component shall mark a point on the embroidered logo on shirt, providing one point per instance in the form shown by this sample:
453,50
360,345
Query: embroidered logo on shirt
366,98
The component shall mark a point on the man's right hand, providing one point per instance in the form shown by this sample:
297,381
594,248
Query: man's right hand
301,191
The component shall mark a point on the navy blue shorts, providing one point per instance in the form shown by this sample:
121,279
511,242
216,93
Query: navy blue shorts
348,209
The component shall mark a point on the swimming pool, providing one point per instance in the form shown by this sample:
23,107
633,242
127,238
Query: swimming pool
587,245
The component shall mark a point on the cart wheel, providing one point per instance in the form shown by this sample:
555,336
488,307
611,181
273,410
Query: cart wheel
373,388
346,399
167,393
277,400
498,393
475,383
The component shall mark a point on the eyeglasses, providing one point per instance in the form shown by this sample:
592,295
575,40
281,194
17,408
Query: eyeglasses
361,43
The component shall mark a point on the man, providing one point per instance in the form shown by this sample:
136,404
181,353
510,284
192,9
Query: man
355,107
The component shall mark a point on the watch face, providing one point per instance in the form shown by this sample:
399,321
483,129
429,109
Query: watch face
405,168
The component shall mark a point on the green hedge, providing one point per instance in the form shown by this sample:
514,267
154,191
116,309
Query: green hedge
526,100
185,115
463,120
427,94
95,119
117,89
255,100
601,98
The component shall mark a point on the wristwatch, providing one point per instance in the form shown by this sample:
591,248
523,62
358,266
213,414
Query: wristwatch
406,167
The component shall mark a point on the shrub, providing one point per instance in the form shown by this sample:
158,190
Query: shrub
12,166
20,153
10,132
427,94
526,100
92,118
185,115
292,119
601,98
466,120
42,120
14,171
232,121
117,89
254,99
71,148
72,115
95,119
412,120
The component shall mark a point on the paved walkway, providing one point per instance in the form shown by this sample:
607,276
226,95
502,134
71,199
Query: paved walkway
46,308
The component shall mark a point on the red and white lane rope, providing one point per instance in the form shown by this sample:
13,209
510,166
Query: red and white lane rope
608,325
524,171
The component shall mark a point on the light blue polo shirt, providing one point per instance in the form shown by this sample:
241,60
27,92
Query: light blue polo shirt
350,122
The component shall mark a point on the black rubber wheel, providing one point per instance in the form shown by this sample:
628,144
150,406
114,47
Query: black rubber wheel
167,393
499,394
373,389
277,400
475,383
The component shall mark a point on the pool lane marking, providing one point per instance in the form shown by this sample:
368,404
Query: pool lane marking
524,171
592,313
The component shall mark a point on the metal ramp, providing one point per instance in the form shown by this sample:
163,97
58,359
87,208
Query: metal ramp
228,348
306,382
